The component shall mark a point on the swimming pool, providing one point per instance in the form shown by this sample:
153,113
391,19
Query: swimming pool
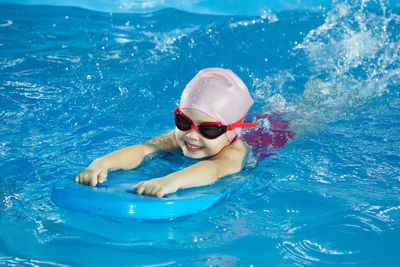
76,84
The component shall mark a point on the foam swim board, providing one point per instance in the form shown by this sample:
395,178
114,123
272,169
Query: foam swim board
117,198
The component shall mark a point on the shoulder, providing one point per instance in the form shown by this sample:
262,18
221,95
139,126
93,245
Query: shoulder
237,148
230,159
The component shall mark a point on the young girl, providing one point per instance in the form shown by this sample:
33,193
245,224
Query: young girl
208,123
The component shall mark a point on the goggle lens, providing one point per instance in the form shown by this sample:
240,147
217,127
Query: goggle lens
208,131
182,123
211,131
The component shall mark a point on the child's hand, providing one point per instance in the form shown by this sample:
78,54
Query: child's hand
92,175
157,187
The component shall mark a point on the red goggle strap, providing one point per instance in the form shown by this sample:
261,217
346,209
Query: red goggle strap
240,123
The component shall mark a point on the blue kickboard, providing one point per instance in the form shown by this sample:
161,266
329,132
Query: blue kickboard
119,199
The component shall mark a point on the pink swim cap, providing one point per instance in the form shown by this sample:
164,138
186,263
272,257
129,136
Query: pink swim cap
220,94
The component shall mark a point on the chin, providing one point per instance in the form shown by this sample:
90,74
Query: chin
193,155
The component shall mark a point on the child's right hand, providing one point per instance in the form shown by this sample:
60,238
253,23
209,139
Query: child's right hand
92,175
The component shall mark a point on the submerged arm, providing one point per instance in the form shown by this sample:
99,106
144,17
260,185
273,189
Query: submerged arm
228,161
125,159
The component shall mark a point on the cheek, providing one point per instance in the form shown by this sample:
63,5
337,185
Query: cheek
179,136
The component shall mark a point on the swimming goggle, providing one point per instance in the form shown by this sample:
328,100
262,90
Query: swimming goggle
209,130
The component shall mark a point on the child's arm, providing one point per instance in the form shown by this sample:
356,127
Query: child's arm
228,161
125,159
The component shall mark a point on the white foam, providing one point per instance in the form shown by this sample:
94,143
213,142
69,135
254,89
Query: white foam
7,23
123,40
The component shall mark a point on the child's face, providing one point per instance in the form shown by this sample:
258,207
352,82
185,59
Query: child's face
193,144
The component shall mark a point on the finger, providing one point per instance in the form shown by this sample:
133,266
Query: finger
163,191
93,180
102,176
141,188
138,185
77,179
149,189
83,179
146,189
160,194
154,189
80,178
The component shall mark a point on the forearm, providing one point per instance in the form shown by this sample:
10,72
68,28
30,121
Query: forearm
206,172
228,161
202,173
125,159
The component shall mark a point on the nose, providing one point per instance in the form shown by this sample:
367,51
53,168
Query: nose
193,134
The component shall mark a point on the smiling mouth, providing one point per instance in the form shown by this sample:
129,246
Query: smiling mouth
192,148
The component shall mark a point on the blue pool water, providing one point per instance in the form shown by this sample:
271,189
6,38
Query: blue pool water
76,84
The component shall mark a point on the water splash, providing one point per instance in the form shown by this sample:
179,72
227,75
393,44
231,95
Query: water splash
353,57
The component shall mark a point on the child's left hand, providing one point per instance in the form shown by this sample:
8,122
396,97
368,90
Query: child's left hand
157,187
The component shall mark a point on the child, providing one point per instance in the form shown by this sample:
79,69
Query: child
208,125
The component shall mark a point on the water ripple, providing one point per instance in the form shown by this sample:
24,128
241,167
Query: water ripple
15,261
306,252
6,63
